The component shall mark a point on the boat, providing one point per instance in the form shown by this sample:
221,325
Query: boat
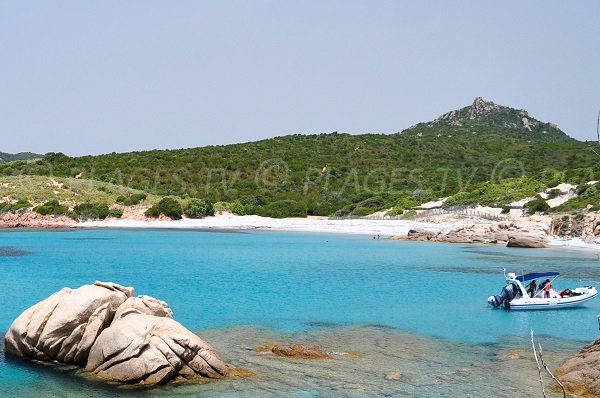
515,296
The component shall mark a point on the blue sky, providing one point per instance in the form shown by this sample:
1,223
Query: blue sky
86,77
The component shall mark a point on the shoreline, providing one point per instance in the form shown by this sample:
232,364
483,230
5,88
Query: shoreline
384,229
380,228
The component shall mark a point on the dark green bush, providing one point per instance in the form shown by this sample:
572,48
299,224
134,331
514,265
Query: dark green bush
168,206
505,209
20,204
536,205
198,208
94,211
362,211
237,208
131,200
52,207
395,211
115,212
283,209
580,189
553,193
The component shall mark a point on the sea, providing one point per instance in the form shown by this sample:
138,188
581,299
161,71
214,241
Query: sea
400,318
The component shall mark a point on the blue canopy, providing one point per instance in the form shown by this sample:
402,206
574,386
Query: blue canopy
536,275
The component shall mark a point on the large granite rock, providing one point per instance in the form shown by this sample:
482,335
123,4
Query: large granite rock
114,335
149,349
531,241
64,326
500,232
580,374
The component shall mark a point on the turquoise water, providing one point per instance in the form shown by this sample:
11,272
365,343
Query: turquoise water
293,285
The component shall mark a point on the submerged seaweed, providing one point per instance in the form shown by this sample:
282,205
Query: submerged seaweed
13,252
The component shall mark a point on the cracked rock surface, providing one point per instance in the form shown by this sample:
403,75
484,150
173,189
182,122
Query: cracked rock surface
113,334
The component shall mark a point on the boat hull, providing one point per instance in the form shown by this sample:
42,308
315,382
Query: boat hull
551,303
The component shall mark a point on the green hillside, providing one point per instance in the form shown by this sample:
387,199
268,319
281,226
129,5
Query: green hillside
343,173
9,157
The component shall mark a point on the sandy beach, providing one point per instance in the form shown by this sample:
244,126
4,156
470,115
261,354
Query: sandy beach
381,228
384,228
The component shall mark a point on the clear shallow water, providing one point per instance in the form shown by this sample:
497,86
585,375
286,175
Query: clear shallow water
249,287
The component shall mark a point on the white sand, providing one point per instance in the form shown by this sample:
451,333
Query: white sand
574,243
384,228
312,224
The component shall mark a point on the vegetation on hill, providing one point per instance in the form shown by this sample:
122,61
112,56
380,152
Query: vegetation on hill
9,157
497,194
483,153
588,196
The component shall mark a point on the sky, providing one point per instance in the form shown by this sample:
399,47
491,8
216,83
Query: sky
84,77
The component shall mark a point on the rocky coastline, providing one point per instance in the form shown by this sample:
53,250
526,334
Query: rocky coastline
31,219
509,234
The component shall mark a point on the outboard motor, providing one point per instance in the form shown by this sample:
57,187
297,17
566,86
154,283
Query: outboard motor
508,293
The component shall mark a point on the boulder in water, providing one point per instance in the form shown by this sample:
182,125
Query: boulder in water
149,349
64,326
114,335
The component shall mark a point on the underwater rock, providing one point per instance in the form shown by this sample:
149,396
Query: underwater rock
580,374
114,335
294,351
393,376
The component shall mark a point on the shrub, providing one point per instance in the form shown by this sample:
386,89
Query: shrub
395,211
237,208
409,215
131,200
20,204
4,207
344,211
98,211
580,189
362,211
535,205
168,206
221,206
52,207
319,208
283,209
198,208
505,209
115,212
553,193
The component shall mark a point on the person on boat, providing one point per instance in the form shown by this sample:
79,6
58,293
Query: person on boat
547,286
565,293
531,288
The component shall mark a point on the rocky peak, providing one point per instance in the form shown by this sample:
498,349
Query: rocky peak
481,107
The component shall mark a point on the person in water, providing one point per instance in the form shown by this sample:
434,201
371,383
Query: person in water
531,288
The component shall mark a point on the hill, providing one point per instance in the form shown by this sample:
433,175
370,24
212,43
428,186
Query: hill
9,157
347,174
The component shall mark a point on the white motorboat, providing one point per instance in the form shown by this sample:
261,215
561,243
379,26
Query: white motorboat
515,296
